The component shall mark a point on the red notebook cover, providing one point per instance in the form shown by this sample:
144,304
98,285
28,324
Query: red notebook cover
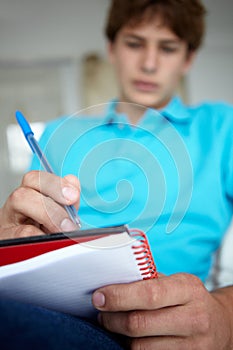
15,250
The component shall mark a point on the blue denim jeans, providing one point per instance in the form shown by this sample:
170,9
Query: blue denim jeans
28,327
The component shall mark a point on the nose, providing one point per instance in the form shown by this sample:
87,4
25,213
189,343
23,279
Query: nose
149,62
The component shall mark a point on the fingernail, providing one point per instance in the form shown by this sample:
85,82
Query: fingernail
67,225
98,299
70,193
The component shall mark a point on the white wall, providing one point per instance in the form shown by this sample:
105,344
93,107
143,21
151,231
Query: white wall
55,29
212,74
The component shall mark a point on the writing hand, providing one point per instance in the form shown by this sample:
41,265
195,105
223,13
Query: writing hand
36,206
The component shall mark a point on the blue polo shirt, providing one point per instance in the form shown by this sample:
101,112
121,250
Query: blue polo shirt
171,175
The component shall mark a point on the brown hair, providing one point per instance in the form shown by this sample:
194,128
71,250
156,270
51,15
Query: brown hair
184,17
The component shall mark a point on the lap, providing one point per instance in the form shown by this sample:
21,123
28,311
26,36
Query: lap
29,327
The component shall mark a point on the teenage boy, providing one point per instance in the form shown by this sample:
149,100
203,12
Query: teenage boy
152,45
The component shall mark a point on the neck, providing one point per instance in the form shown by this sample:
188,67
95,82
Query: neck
133,111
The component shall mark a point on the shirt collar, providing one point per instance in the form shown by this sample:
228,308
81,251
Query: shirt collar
175,111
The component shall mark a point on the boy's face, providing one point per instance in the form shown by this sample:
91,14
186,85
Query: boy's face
149,61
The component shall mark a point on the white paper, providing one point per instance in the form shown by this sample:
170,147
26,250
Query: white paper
65,279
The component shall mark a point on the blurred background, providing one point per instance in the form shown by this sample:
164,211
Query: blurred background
52,62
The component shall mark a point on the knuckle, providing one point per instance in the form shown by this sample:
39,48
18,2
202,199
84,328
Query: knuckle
53,213
189,278
29,178
190,343
18,195
115,298
105,320
152,293
198,289
135,323
200,321
141,344
136,344
196,282
196,286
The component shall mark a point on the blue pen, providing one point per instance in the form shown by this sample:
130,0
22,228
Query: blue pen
29,135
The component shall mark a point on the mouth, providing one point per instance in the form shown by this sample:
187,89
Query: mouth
145,86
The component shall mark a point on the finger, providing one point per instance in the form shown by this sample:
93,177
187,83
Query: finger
159,343
73,180
177,289
171,321
59,189
20,231
27,203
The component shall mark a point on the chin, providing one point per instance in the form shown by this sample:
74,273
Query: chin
147,101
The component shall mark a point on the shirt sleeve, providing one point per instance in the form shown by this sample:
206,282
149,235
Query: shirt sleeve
229,158
229,177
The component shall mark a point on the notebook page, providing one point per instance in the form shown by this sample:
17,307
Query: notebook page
65,279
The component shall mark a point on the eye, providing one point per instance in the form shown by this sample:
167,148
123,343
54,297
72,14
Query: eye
168,49
133,44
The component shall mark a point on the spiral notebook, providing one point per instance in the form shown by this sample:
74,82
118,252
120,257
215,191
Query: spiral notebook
60,272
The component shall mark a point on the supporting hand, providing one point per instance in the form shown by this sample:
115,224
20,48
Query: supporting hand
172,312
